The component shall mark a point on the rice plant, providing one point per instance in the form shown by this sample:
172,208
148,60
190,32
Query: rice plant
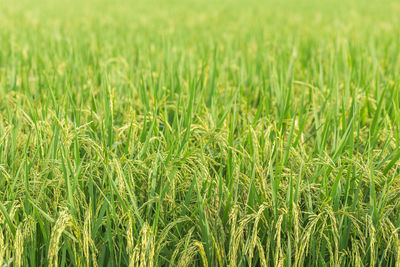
199,133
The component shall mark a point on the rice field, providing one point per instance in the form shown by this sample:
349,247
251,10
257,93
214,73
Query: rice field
199,133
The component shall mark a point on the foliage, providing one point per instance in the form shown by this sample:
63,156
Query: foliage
176,133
